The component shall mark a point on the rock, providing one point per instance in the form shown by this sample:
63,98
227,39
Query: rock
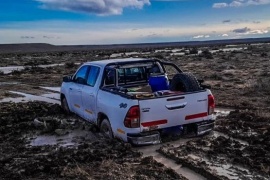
61,132
38,123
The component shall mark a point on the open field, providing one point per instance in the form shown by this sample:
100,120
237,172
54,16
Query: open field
39,142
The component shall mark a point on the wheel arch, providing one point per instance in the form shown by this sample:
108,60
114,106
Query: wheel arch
62,96
100,117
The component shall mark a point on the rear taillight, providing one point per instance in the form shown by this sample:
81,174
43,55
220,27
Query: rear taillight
211,104
132,119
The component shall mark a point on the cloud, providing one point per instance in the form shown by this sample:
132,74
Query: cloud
226,21
168,0
75,32
50,37
201,36
236,4
241,30
99,7
240,3
220,5
248,31
258,31
27,37
224,35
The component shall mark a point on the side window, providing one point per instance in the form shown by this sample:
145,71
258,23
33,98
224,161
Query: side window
80,76
109,76
92,76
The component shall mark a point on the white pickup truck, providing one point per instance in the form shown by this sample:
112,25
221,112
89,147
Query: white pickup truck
136,100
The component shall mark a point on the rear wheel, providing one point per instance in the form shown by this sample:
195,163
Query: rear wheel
106,129
64,105
185,82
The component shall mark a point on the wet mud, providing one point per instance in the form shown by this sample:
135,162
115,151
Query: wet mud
222,158
94,157
239,148
38,141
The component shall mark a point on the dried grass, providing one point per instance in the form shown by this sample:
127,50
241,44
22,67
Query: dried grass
262,84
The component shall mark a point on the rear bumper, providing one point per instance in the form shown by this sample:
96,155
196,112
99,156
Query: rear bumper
148,138
153,137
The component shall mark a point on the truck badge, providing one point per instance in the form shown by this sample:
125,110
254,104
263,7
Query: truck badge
123,105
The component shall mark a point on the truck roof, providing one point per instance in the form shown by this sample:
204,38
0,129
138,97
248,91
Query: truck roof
105,62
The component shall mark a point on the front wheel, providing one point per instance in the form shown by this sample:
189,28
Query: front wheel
106,129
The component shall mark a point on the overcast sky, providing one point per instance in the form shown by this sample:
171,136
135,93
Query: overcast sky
65,22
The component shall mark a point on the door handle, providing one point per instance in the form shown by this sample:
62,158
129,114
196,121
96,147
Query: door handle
91,95
70,88
176,106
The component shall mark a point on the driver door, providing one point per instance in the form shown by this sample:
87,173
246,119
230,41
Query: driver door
75,90
89,94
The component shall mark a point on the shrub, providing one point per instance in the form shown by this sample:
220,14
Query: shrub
16,72
259,85
70,64
193,51
207,54
264,54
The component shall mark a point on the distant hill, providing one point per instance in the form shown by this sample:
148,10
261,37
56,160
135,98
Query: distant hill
42,47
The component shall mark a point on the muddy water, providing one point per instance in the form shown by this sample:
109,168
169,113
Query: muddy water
56,89
152,151
222,111
71,138
9,69
8,83
50,98
186,172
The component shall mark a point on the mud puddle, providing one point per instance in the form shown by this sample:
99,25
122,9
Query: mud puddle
181,168
64,138
49,98
9,69
222,111
216,157
55,89
9,83
178,168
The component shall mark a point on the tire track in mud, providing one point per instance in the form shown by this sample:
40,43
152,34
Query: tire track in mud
168,162
185,169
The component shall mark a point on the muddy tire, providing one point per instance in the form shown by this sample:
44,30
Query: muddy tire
185,82
106,129
64,105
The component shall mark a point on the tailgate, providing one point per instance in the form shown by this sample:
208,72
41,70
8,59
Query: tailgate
172,111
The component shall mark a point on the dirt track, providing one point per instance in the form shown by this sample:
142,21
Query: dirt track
239,79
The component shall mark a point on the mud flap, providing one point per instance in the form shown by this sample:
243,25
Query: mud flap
204,127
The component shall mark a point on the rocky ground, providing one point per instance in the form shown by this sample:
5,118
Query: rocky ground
237,149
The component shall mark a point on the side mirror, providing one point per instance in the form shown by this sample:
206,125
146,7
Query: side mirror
81,81
67,78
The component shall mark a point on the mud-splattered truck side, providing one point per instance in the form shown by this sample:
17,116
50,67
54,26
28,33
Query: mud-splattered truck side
138,99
